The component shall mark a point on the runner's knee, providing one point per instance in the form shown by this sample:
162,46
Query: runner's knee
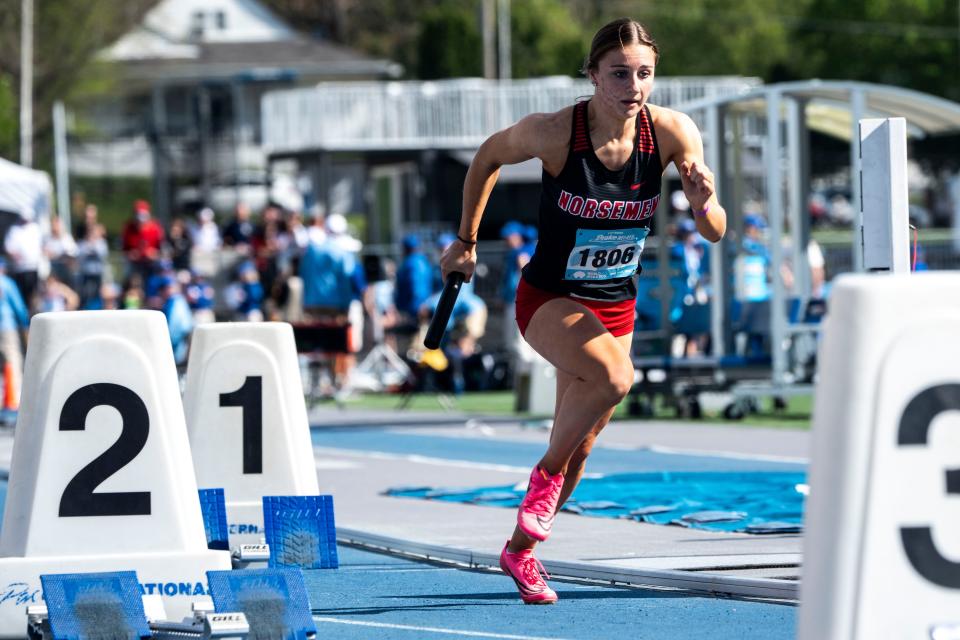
617,380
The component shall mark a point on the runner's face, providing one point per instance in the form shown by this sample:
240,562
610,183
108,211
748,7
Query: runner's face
624,79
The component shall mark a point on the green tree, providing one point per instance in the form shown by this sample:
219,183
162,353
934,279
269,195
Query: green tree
907,43
68,35
449,44
9,125
710,37
545,39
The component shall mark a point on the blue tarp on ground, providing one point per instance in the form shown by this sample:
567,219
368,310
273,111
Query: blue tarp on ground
749,502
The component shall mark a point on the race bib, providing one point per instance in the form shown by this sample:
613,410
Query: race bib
605,254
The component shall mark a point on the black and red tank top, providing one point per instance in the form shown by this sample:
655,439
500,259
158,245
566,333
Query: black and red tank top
594,221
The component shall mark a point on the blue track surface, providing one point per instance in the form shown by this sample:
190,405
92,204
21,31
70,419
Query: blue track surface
379,596
524,454
375,596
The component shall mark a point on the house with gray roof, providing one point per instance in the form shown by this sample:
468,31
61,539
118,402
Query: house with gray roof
187,112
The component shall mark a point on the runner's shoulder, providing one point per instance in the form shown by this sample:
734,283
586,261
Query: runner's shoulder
546,134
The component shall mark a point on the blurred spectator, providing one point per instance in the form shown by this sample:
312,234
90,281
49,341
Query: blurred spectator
333,285
179,244
414,281
239,231
23,243
338,231
206,233
57,296
689,297
133,295
200,297
179,317
687,254
268,243
90,219
142,240
317,232
60,249
298,234
154,283
248,294
109,297
752,266
530,236
752,273
515,258
383,309
14,320
466,326
91,263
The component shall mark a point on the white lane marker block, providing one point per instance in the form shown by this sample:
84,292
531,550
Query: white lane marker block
881,554
101,477
247,419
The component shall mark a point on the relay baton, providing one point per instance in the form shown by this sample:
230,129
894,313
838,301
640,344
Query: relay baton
448,297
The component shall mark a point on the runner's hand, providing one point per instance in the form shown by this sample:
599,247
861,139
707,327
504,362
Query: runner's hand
458,257
697,181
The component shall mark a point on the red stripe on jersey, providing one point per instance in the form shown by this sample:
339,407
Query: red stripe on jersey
580,131
645,143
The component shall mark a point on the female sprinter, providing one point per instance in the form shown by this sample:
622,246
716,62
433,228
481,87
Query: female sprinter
602,164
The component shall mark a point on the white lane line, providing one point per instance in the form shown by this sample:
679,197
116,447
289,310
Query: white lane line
726,454
466,464
453,632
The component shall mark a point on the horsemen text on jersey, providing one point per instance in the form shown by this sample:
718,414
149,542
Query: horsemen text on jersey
612,209
594,220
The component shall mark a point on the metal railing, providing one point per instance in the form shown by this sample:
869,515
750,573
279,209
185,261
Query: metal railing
448,114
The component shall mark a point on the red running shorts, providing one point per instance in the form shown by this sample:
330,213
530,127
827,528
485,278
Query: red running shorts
617,317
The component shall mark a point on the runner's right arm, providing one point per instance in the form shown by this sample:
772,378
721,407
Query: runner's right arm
517,143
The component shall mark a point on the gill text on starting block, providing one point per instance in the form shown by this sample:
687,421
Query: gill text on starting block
247,419
101,477
882,549
274,601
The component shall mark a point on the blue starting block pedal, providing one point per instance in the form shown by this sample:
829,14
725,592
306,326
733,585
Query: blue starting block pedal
81,606
300,531
214,508
274,601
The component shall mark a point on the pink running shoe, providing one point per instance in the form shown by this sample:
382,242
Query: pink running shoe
538,509
525,570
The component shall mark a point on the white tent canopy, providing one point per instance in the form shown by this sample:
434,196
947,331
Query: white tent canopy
25,192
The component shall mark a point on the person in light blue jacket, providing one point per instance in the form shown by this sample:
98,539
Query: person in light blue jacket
179,317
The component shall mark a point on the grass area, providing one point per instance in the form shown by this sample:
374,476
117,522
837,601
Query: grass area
796,415
843,237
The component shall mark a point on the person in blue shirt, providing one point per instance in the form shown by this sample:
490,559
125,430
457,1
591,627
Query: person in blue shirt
752,273
201,297
753,265
414,281
179,317
14,320
333,280
517,255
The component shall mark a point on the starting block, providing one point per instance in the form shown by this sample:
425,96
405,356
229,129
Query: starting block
247,419
90,606
101,477
881,555
301,531
274,601
214,510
